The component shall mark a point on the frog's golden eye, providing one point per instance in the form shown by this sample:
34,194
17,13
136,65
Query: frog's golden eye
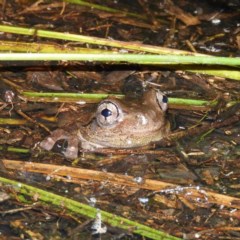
162,100
108,114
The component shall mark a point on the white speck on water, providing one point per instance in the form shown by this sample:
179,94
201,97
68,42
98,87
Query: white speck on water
81,102
214,149
48,178
69,177
92,201
97,225
123,51
210,49
197,235
48,217
228,174
216,21
143,200
227,30
222,207
138,179
198,11
233,211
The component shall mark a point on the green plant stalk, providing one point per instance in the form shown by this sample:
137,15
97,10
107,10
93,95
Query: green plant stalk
87,211
44,48
201,138
126,58
233,74
191,102
228,73
12,121
103,8
79,96
15,149
94,40
98,96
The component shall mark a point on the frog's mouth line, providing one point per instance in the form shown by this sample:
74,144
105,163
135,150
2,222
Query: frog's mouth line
130,142
86,144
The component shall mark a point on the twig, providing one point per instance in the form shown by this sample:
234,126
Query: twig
193,193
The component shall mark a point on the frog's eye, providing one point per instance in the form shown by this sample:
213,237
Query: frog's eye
162,100
108,114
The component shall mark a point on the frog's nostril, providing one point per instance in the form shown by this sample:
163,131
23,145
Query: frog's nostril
106,112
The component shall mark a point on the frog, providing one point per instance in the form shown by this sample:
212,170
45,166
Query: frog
117,124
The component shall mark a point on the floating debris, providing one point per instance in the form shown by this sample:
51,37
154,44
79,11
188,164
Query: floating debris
98,227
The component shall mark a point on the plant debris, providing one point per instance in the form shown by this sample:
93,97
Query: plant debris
186,185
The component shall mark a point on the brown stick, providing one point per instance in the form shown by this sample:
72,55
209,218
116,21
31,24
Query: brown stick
195,194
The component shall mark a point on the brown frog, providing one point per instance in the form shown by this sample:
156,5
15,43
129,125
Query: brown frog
117,124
